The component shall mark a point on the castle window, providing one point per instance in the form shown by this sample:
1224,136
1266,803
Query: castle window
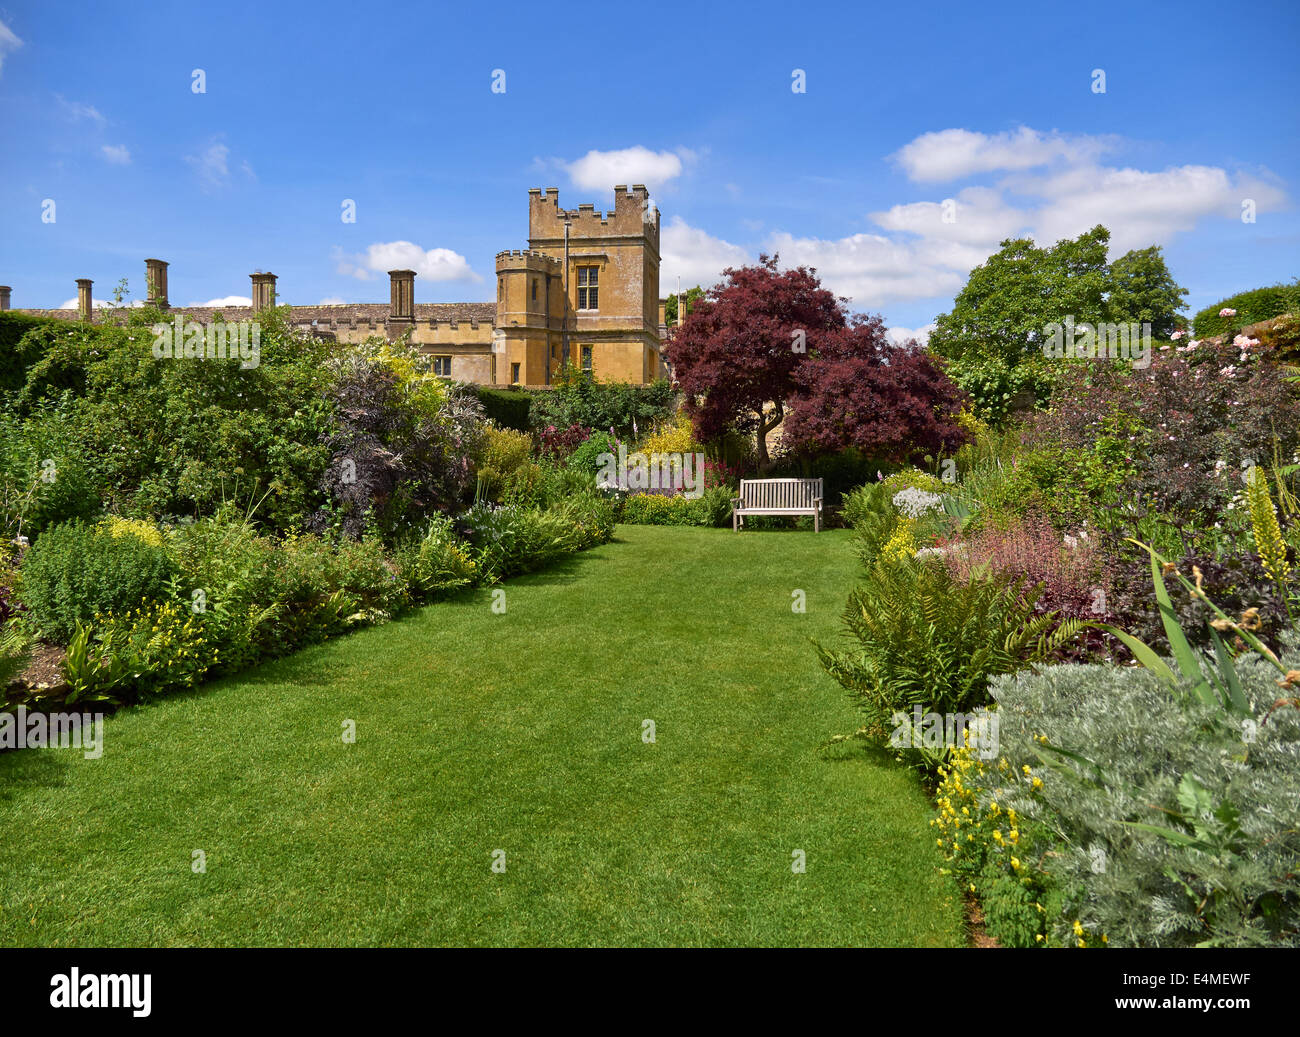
501,287
588,288
442,366
534,289
586,358
514,374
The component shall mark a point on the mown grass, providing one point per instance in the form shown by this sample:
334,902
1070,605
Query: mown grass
521,732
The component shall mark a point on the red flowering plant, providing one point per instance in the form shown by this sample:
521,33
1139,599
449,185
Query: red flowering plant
719,473
1073,570
556,444
1197,416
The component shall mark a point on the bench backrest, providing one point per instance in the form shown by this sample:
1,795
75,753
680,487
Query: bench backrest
780,493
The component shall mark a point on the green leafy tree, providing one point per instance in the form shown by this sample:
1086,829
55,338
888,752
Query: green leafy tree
693,296
1009,298
1143,291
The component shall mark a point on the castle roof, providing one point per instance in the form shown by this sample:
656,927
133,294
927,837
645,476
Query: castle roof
375,312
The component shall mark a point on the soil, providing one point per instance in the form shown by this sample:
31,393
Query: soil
45,670
975,924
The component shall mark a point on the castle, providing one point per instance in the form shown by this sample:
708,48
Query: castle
585,291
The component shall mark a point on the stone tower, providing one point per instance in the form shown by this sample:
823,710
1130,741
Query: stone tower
612,280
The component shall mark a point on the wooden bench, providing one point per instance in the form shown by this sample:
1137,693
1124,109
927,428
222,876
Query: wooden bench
778,497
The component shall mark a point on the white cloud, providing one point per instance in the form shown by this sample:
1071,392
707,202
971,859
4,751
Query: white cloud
212,165
435,264
8,42
117,155
929,247
1140,208
698,257
602,170
959,232
76,111
955,153
227,300
870,269
332,300
99,304
899,336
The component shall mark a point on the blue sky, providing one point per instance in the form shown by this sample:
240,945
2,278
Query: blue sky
906,106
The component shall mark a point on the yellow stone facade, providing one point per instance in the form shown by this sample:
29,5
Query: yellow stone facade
604,309
593,291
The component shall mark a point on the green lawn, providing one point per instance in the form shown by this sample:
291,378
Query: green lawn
519,731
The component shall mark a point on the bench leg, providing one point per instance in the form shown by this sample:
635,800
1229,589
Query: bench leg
817,521
734,518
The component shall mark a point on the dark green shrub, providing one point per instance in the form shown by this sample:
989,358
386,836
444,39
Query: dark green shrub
506,407
15,354
922,638
438,564
1252,307
509,539
76,571
713,508
592,517
586,458
46,473
172,437
578,399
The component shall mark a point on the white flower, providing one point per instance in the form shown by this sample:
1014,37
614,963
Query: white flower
1225,312
914,503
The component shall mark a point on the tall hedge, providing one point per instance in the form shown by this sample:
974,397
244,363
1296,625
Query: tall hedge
507,408
1252,307
13,361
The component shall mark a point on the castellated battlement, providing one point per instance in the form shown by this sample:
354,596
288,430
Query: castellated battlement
629,217
527,259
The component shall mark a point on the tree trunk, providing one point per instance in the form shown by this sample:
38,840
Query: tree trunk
764,427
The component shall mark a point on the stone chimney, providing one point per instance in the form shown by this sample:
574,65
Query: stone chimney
4,296
85,305
401,309
263,291
155,275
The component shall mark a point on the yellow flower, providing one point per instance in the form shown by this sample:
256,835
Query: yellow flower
1264,527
